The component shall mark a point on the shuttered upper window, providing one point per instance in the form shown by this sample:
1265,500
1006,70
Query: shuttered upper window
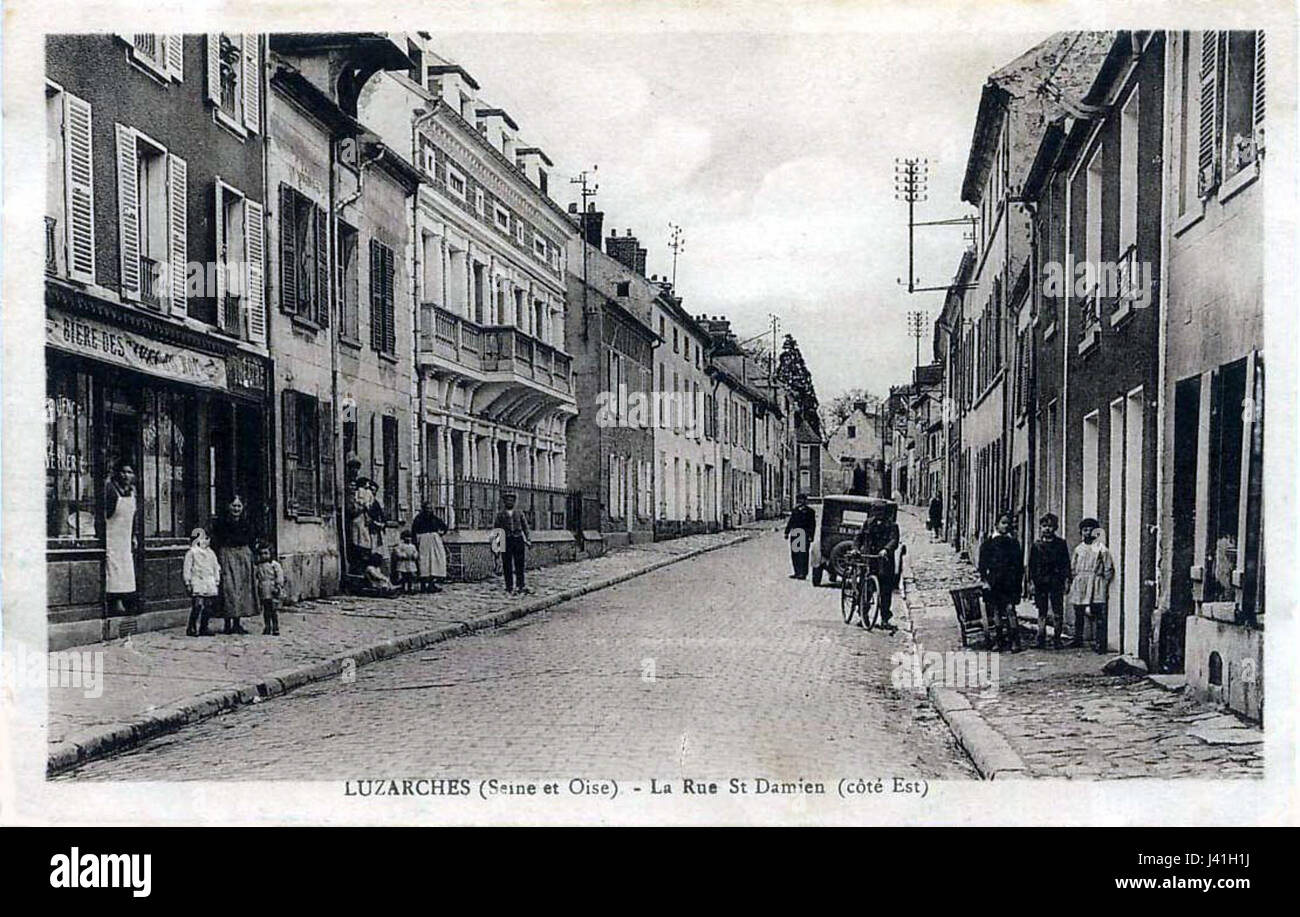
304,268
383,331
152,200
240,243
70,187
234,86
1230,122
161,55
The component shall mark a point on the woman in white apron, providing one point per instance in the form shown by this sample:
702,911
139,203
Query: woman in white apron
119,538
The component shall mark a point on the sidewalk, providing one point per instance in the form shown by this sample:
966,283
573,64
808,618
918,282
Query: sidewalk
1054,713
160,681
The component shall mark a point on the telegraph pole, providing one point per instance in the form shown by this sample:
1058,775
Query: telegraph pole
588,191
677,242
771,366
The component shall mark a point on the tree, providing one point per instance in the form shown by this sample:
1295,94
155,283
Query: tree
838,409
792,372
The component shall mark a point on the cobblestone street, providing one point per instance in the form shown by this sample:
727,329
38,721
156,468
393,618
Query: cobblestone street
1061,714
715,666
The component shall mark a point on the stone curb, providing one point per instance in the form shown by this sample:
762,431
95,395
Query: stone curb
108,740
993,756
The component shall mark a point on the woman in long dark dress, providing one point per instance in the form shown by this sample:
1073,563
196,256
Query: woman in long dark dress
233,537
428,529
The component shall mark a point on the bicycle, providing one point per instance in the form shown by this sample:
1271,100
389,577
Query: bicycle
859,591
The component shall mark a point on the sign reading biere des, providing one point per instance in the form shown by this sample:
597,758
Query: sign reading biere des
115,345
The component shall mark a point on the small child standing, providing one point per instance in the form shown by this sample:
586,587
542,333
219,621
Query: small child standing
269,576
406,562
1049,571
1092,572
202,574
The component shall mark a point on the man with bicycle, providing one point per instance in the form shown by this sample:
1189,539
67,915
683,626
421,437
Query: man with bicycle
879,538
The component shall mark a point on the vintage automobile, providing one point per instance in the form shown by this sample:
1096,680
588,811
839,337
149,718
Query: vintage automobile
839,519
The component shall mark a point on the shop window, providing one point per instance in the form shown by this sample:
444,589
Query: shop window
69,470
349,283
383,331
391,467
164,477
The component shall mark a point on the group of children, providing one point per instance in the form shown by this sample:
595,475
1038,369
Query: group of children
406,570
1051,577
202,574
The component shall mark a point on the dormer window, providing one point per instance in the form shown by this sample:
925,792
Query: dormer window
456,183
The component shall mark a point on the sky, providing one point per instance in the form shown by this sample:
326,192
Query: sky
775,154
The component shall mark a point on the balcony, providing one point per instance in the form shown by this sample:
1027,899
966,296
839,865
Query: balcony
1090,320
150,282
146,45
51,246
518,374
230,316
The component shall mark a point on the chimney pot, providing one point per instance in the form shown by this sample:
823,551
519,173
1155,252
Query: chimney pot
573,207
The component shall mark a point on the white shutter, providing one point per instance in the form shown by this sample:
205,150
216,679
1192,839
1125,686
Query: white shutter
177,231
128,212
213,86
1257,109
252,80
175,56
220,227
253,255
1208,152
79,188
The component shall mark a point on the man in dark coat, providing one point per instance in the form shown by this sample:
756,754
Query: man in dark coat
1002,573
936,517
859,485
518,538
803,522
881,537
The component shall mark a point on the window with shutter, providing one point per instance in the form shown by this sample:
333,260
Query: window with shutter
177,231
227,67
1239,88
288,252
254,252
326,450
128,213
1208,148
79,189
1257,111
390,323
251,84
376,295
322,269
176,57
289,444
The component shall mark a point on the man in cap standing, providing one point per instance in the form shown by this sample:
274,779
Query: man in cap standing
518,539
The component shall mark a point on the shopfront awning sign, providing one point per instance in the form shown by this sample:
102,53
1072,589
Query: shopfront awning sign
89,338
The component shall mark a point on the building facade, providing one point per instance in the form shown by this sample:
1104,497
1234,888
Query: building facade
611,440
490,247
688,479
1210,607
340,289
156,326
857,442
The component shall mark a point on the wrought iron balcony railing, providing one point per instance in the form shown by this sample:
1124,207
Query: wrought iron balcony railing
150,282
51,246
230,316
472,503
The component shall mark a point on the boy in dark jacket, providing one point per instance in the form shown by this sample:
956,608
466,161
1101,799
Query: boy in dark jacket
1002,572
1048,575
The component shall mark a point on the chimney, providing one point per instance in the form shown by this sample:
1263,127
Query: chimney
623,249
592,222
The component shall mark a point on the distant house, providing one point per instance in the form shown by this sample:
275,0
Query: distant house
856,439
810,454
